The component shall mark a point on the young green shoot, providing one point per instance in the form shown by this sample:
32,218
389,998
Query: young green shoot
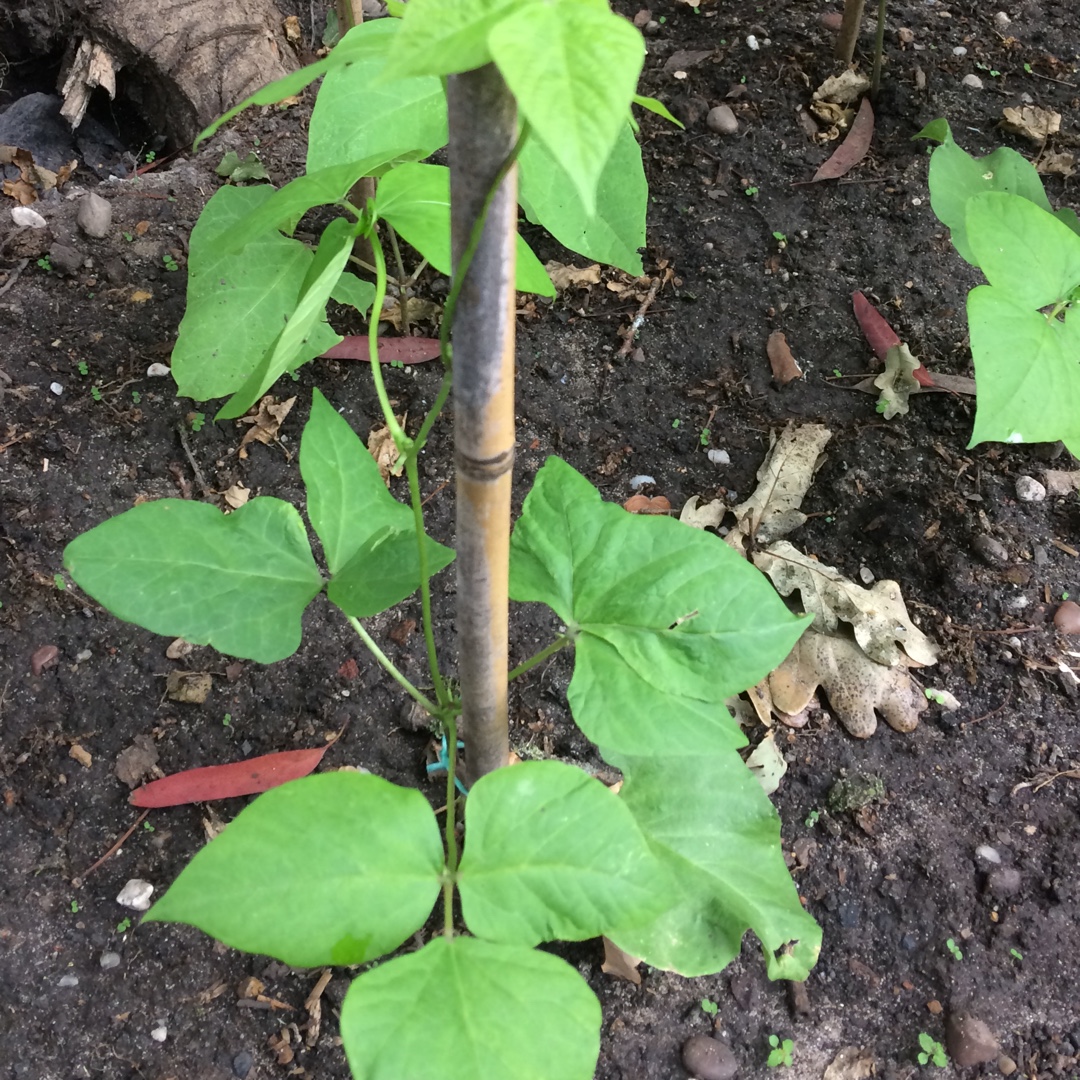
931,1052
709,1008
954,949
781,1053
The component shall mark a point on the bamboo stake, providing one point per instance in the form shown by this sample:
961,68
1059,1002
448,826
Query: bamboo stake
483,128
849,29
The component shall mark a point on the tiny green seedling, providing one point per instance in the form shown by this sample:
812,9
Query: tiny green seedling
932,1051
935,696
812,818
780,237
128,237
197,421
1016,954
781,1052
136,396
74,907
954,949
170,263
1027,68
44,263
147,827
226,720
750,191
397,364
710,1008
1064,596
676,422
59,582
95,392
706,434
151,157
84,367
123,926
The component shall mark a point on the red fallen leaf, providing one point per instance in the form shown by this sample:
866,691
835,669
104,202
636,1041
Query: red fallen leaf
349,670
214,782
881,336
784,366
853,149
402,350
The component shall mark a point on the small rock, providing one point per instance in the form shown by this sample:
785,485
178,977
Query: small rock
158,371
109,960
242,1064
1028,489
719,457
638,482
989,549
1006,1065
44,658
708,1058
722,120
1067,617
94,215
832,21
752,43
959,50
68,980
906,35
866,575
969,1041
82,656
988,854
26,218
1002,22
972,81
65,259
1003,882
652,27
160,1033
116,271
136,895
56,388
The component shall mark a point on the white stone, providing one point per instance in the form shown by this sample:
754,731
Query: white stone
56,388
752,43
722,120
94,215
136,895
68,980
988,854
160,1033
637,482
26,218
959,51
972,81
158,371
866,574
1002,21
719,457
1028,489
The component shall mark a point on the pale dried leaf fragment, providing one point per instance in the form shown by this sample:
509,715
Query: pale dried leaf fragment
843,89
178,648
136,762
1062,481
878,615
1031,121
188,687
699,515
1056,163
851,1063
896,382
785,476
81,755
383,449
265,420
767,764
417,309
620,964
236,496
784,366
856,685
563,276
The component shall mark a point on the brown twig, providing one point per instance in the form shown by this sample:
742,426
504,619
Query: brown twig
639,318
77,882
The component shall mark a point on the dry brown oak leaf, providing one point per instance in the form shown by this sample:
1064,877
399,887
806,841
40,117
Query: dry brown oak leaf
856,686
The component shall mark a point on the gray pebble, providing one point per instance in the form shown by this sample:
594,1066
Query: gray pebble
1006,1065
1003,882
109,960
68,980
972,81
1028,489
708,1058
242,1064
989,549
65,259
969,1041
1002,21
722,120
1038,553
94,215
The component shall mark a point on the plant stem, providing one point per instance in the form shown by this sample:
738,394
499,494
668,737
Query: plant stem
413,473
403,300
450,726
559,643
401,440
391,669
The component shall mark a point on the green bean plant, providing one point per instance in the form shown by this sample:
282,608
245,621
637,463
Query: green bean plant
665,622
1025,333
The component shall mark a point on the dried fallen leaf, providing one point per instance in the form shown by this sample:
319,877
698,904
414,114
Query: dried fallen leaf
213,782
1062,481
643,504
620,964
856,685
383,449
854,147
1031,121
188,687
773,510
136,762
392,350
140,296
563,276
878,614
236,496
785,369
767,764
1055,163
843,89
417,309
699,515
44,658
178,648
265,420
851,1063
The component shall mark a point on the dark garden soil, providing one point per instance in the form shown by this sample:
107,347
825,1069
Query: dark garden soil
976,839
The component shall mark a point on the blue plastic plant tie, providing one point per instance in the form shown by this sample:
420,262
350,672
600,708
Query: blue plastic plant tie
442,764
